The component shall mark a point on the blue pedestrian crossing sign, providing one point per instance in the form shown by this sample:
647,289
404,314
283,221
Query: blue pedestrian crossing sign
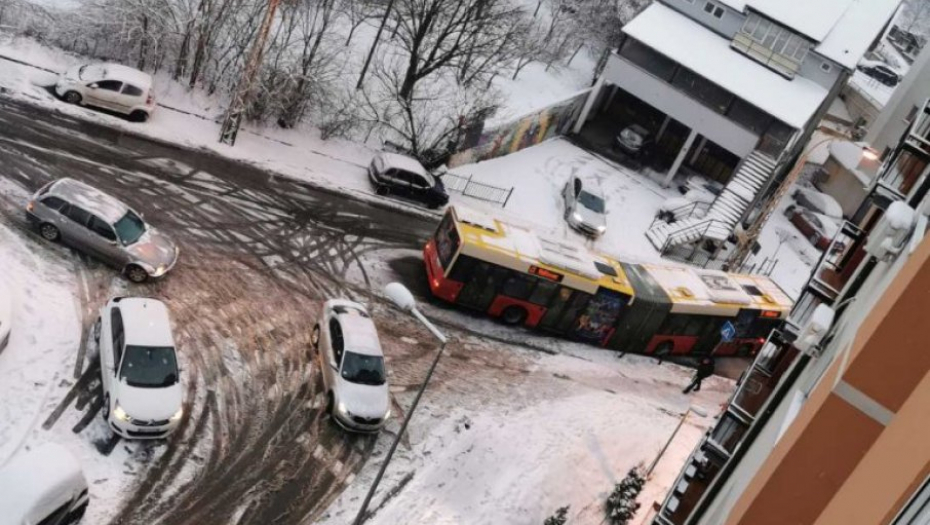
727,332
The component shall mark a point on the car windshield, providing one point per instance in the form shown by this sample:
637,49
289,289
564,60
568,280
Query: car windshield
591,202
149,366
129,228
363,369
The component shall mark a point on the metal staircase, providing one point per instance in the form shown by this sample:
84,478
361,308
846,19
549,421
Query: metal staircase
723,214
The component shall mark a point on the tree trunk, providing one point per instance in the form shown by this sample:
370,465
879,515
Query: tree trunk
143,43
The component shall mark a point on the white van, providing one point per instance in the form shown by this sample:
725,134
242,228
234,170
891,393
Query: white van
44,486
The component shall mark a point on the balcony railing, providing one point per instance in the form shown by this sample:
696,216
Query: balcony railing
834,269
779,63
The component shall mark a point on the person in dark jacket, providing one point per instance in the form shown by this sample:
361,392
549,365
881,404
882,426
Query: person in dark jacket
704,370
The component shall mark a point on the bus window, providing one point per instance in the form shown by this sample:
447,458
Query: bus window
479,291
550,320
463,269
544,291
447,240
573,310
518,286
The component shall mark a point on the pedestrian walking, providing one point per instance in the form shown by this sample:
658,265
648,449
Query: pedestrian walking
704,370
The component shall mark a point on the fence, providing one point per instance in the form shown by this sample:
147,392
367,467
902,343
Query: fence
477,190
524,132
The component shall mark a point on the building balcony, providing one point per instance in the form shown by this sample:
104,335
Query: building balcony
699,473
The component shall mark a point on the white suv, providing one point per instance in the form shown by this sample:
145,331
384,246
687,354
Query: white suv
352,363
109,86
139,368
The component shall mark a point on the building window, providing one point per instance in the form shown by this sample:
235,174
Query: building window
773,45
729,432
749,116
826,67
713,9
649,59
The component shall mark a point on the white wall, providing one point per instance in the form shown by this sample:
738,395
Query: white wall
679,106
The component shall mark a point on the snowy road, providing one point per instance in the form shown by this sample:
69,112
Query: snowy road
258,254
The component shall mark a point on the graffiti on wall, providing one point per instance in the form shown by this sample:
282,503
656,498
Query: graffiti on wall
527,131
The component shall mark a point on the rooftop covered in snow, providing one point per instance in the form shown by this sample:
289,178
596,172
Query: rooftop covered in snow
692,45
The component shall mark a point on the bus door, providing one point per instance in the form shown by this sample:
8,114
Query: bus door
599,320
483,285
563,310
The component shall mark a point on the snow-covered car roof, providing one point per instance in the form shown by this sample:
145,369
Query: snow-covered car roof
29,477
358,330
90,199
123,73
146,322
824,203
403,162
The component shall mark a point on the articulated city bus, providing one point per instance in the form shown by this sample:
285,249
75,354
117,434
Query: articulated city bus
509,272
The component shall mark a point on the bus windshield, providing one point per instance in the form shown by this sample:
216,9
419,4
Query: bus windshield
447,241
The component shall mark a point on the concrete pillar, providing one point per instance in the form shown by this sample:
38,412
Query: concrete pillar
662,128
697,150
679,160
592,97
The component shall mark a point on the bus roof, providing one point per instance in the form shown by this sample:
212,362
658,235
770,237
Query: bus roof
483,232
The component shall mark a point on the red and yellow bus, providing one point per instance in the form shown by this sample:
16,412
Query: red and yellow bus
510,272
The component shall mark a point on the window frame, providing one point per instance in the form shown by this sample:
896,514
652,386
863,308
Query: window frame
118,336
44,201
72,219
716,10
337,342
97,221
127,85
100,84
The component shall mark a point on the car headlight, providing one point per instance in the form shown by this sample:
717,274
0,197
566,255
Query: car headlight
602,228
342,408
120,414
577,217
177,415
159,271
387,415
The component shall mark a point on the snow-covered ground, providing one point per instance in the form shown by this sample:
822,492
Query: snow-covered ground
575,428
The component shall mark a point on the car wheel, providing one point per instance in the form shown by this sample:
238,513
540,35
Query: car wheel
136,273
514,315
138,116
49,232
814,239
330,403
315,337
73,97
382,190
105,412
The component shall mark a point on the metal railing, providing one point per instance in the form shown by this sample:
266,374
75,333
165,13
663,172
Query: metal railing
691,238
476,190
682,212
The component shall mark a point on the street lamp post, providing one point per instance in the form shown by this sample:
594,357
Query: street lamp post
403,299
671,438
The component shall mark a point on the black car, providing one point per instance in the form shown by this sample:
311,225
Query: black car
395,174
636,141
883,74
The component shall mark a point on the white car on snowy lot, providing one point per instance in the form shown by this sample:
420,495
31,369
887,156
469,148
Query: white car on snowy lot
585,207
6,313
352,364
42,486
109,86
139,368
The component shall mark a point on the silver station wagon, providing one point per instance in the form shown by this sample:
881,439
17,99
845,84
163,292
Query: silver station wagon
95,223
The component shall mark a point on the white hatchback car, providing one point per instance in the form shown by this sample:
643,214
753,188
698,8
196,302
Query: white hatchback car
109,86
352,365
44,485
139,368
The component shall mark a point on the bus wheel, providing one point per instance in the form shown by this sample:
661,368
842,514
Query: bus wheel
514,315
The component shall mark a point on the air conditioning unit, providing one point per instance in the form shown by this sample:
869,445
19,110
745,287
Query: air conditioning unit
892,232
814,330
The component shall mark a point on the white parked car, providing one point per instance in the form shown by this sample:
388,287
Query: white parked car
109,86
139,368
44,485
585,208
6,313
352,365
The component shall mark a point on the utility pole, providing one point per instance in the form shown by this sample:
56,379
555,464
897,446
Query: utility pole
374,45
243,94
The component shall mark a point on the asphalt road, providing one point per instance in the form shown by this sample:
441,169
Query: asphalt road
258,255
